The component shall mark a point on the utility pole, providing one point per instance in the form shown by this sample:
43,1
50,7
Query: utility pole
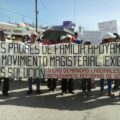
74,11
36,15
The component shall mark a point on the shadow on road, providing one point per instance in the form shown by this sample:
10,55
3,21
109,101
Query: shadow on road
56,101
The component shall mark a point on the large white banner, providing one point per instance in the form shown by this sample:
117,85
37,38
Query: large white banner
60,61
108,26
94,36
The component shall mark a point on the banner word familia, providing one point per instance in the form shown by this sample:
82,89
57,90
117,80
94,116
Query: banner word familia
60,60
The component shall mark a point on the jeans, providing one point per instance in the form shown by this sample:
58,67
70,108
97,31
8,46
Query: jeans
51,84
67,84
86,85
109,82
37,81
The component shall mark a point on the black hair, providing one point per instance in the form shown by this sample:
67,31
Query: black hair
117,36
75,33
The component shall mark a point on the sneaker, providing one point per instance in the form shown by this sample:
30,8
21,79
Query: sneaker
111,94
119,94
62,93
38,92
88,93
53,90
101,93
115,88
29,92
83,94
5,94
72,92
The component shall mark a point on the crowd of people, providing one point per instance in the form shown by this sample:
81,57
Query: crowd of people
67,85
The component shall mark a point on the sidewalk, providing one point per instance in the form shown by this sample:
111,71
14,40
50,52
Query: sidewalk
53,106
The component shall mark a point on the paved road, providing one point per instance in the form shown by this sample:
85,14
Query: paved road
53,106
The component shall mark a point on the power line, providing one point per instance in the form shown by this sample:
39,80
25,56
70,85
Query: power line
18,14
48,11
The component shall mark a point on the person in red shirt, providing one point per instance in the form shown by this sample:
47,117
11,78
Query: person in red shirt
75,39
51,82
46,41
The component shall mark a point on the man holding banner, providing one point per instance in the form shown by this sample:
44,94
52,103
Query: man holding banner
86,82
33,42
67,84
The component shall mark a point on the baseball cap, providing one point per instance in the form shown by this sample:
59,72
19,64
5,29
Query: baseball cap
8,36
68,36
34,33
108,35
62,37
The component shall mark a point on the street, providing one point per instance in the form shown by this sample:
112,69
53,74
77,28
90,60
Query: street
53,106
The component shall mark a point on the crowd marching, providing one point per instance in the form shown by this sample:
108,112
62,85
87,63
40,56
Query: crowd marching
67,85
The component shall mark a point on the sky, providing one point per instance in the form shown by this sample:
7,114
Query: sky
86,13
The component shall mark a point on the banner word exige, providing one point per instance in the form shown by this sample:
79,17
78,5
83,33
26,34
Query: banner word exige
60,60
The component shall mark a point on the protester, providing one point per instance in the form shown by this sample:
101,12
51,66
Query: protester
117,81
62,39
51,82
107,38
46,41
67,84
33,42
6,80
86,82
75,39
26,39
